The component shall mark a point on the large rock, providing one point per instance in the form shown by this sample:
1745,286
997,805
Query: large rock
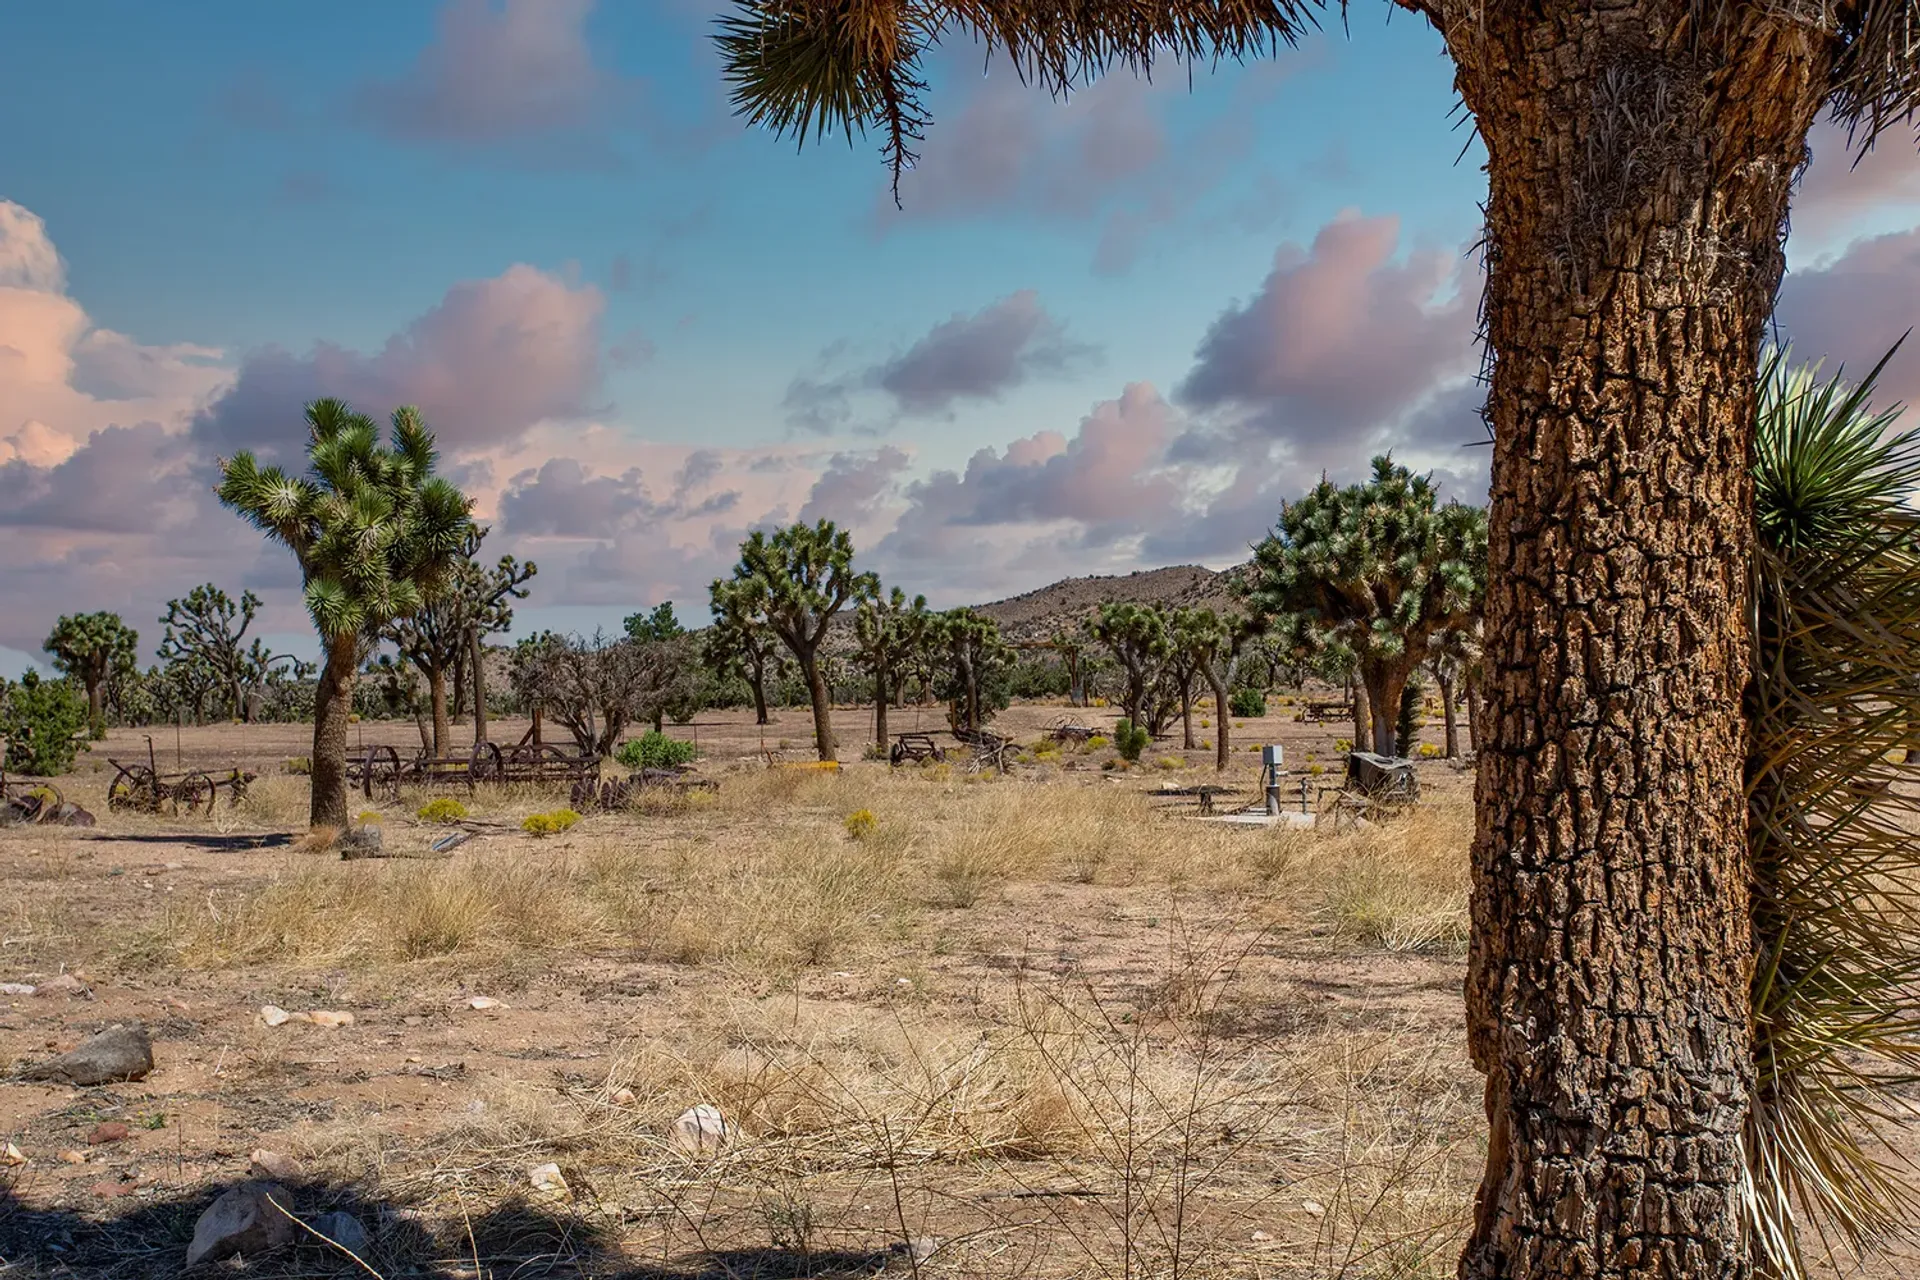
121,1052
363,841
344,1230
249,1220
699,1130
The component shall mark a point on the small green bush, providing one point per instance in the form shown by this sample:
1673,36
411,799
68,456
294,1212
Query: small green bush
1130,739
1248,703
40,720
547,824
442,809
861,823
1096,742
299,766
654,750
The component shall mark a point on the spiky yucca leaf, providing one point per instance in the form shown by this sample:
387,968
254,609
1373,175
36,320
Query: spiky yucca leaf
1835,818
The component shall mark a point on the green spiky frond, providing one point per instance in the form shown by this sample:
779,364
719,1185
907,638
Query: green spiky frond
375,531
813,67
1834,708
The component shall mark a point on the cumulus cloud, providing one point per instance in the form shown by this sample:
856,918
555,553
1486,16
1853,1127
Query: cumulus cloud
966,357
493,358
1853,308
518,71
1846,181
854,487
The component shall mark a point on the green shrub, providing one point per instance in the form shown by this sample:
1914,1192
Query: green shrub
1096,742
1248,703
299,766
442,809
1130,739
546,824
654,750
861,823
40,720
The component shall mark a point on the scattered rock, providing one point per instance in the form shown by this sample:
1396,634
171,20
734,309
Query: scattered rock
546,1180
274,1016
361,842
485,1002
1262,1236
623,1097
11,1156
113,1190
923,1247
344,1230
17,988
246,1220
73,1157
64,985
1314,1208
274,1166
121,1052
110,1131
328,1018
699,1130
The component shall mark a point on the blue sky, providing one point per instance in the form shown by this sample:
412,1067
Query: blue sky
1103,334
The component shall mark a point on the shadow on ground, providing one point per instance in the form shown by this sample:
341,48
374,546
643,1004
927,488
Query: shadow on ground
208,841
149,1240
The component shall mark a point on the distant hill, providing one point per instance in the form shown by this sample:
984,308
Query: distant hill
1037,614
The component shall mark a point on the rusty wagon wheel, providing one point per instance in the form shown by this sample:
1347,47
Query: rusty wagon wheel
485,765
193,792
380,767
134,787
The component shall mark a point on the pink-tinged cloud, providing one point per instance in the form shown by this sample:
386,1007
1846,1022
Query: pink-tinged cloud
1851,310
854,489
491,360
1846,183
495,73
980,356
1340,336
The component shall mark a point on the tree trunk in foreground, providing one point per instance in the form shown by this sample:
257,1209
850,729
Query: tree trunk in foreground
1362,714
822,708
437,695
880,709
479,688
1640,159
1446,713
332,704
1186,715
1384,685
96,708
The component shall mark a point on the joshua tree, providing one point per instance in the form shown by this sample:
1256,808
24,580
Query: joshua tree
1137,635
793,583
889,631
1640,160
596,688
971,644
91,648
450,630
657,623
738,645
208,627
376,534
1378,569
1205,644
1071,648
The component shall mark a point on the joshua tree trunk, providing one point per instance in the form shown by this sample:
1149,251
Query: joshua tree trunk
96,707
757,678
1384,683
457,704
332,704
1362,714
437,693
1640,157
1186,715
1445,682
1220,719
1472,700
822,707
880,707
479,689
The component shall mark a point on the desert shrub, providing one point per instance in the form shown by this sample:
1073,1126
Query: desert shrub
654,750
442,809
861,823
1130,739
1428,751
546,824
1172,762
1096,742
299,766
1248,703
40,719
368,817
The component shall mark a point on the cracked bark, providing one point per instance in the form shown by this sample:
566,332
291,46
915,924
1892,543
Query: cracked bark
1640,161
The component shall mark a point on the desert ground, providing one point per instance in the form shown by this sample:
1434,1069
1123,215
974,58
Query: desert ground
1041,1024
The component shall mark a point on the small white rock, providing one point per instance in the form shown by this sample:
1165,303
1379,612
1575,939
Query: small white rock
485,1002
699,1130
1263,1236
1314,1208
623,1097
11,1155
17,989
274,1016
547,1180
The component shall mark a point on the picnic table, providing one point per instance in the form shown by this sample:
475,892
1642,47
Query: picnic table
1375,787
1325,711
